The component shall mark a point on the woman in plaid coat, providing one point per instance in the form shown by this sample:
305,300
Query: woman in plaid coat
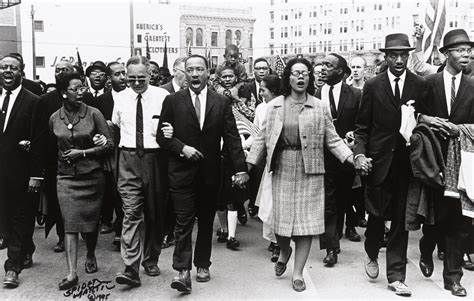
297,128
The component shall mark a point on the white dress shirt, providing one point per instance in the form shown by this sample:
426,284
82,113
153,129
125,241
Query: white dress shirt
114,94
99,92
176,87
202,100
447,78
336,92
125,111
13,95
257,85
401,82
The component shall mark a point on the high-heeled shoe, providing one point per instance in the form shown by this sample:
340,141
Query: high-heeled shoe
91,265
66,284
299,285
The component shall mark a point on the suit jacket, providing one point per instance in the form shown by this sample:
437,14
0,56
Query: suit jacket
105,104
14,162
379,119
32,86
168,87
316,131
219,123
248,90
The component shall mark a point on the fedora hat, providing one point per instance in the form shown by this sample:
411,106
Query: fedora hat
455,37
397,41
97,65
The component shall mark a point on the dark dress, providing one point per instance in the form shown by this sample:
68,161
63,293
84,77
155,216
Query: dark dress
80,183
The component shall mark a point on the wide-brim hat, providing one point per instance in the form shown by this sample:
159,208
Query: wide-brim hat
97,65
455,37
397,41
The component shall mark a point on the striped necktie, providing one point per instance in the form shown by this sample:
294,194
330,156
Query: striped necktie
453,91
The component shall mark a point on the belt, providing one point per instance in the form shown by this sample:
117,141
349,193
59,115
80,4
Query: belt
145,150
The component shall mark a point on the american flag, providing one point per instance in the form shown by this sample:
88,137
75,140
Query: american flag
435,21
244,126
279,66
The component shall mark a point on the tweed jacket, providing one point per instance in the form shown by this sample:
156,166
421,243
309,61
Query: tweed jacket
316,130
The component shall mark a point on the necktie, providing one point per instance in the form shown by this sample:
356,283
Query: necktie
453,91
96,93
397,89
197,107
332,103
3,114
139,127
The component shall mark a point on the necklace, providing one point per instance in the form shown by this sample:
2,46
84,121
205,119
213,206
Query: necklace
71,119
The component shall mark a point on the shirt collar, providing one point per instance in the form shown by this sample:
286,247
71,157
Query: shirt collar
14,93
203,92
176,87
449,76
144,94
114,93
392,77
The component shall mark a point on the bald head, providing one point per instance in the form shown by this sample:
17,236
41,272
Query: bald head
358,65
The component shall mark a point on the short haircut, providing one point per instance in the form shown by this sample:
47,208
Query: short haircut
361,57
226,67
197,56
179,61
285,80
273,83
155,64
17,57
138,60
231,47
63,80
261,59
108,69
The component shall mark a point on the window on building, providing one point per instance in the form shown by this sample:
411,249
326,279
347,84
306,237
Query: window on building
320,46
39,61
238,37
214,38
272,33
251,40
250,64
189,36
199,37
272,16
139,38
214,61
272,49
329,46
399,4
228,37
39,25
286,17
272,2
362,9
380,6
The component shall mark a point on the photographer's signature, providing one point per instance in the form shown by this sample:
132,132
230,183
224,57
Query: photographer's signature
93,290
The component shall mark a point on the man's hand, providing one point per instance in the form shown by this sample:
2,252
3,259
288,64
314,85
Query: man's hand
363,165
241,179
191,153
440,125
34,185
99,140
25,145
167,130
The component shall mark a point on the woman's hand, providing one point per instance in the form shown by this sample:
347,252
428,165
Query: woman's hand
72,155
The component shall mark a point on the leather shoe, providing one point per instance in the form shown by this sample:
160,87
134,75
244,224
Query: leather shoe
90,265
426,266
28,262
280,267
233,244
3,243
66,284
271,246
11,279
253,211
106,228
468,264
372,268
330,259
441,255
182,282
59,247
242,217
456,289
128,278
299,285
203,275
352,234
152,270
275,254
400,288
222,236
363,223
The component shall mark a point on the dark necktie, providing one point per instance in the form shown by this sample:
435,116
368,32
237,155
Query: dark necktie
139,127
397,89
453,92
197,107
96,93
3,114
332,103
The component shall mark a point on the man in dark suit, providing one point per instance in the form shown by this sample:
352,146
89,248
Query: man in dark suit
28,84
343,102
179,77
377,136
20,170
449,102
200,118
97,78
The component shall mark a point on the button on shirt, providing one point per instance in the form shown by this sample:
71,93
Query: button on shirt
448,78
124,115
13,96
401,81
203,100
336,91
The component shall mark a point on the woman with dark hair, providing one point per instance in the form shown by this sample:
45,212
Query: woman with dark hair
296,129
80,179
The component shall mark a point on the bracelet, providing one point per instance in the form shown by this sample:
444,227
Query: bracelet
84,153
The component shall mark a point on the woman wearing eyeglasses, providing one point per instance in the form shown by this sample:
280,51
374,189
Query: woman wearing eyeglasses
80,179
296,129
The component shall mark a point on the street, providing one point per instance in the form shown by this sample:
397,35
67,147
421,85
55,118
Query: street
235,275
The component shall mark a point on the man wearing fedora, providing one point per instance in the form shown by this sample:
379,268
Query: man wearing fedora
449,102
377,136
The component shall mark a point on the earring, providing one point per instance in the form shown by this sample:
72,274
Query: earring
64,95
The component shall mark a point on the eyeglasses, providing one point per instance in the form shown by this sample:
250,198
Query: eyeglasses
297,73
95,73
261,68
12,67
461,50
78,89
197,69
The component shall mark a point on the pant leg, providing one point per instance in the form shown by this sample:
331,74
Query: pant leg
130,187
206,210
373,236
110,192
31,208
397,246
330,239
431,235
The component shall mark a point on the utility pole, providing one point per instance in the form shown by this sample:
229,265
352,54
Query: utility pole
33,40
132,30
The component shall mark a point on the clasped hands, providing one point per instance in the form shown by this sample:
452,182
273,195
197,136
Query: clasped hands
440,125
363,165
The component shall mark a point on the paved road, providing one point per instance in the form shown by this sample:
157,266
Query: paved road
236,275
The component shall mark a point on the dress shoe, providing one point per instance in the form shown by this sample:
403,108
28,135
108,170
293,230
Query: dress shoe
280,267
253,211
11,279
59,247
271,246
363,223
441,255
233,244
242,217
91,265
352,234
203,275
426,265
372,268
128,278
106,228
275,254
222,236
331,258
182,282
456,289
168,241
3,243
28,262
66,284
468,264
400,288
152,270
299,285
